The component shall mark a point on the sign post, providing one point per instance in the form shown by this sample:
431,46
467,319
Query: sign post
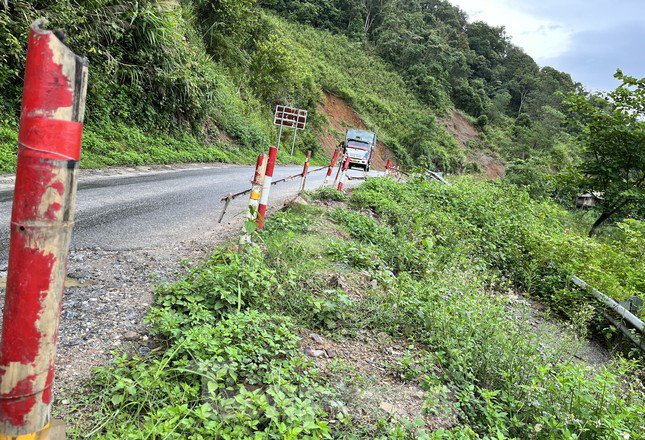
290,117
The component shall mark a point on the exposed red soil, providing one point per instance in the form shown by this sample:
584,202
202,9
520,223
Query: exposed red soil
464,132
460,128
341,116
490,165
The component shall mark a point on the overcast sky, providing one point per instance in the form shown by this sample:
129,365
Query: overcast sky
589,39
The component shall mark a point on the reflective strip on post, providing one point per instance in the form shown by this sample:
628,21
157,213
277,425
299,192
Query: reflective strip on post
49,148
332,164
266,187
342,176
256,187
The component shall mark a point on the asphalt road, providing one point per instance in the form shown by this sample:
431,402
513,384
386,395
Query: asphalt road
158,209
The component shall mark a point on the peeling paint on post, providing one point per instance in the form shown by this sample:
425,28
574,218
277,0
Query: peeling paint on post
305,167
342,175
256,187
266,187
332,164
256,193
42,219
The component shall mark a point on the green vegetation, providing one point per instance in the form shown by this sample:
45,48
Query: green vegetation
444,263
536,244
447,62
207,74
613,136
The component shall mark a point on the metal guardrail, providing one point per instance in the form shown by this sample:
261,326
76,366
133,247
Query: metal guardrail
230,196
625,314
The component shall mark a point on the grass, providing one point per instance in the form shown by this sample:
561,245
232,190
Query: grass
393,278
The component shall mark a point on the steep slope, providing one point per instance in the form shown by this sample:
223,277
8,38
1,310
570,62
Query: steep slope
466,134
195,80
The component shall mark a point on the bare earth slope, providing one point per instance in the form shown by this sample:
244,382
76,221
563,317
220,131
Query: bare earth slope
464,132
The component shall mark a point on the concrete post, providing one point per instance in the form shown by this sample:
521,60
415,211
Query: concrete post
305,168
332,164
342,175
266,186
49,148
341,163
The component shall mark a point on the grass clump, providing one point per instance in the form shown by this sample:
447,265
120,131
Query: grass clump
329,194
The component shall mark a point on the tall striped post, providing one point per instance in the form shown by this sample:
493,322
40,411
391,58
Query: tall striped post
49,148
387,166
266,187
305,167
254,198
340,170
342,175
332,164
256,187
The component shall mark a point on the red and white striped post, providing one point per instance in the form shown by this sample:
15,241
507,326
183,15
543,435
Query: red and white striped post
332,164
305,167
340,170
266,187
254,198
342,175
49,148
256,186
387,166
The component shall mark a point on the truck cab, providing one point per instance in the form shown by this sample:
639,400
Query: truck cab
359,145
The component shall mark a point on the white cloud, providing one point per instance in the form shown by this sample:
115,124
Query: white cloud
540,37
587,38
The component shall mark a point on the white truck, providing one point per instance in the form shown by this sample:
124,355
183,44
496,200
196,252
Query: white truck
359,145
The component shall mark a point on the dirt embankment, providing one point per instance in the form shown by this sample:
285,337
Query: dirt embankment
341,116
465,132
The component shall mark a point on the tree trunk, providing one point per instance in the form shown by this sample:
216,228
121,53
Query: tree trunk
603,217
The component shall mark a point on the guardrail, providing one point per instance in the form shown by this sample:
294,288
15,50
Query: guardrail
621,311
267,184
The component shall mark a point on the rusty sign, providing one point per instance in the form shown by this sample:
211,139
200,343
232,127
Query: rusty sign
290,117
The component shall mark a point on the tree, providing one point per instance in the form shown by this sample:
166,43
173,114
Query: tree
613,140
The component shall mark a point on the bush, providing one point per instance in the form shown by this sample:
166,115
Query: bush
506,230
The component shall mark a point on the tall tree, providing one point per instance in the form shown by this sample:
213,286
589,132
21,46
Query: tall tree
613,137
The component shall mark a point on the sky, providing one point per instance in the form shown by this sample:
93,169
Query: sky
589,39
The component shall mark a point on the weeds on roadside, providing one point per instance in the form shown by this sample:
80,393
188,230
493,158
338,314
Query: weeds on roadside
229,364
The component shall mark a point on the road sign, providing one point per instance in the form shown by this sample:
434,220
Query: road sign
290,117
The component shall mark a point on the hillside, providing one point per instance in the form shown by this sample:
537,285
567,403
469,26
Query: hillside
192,80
